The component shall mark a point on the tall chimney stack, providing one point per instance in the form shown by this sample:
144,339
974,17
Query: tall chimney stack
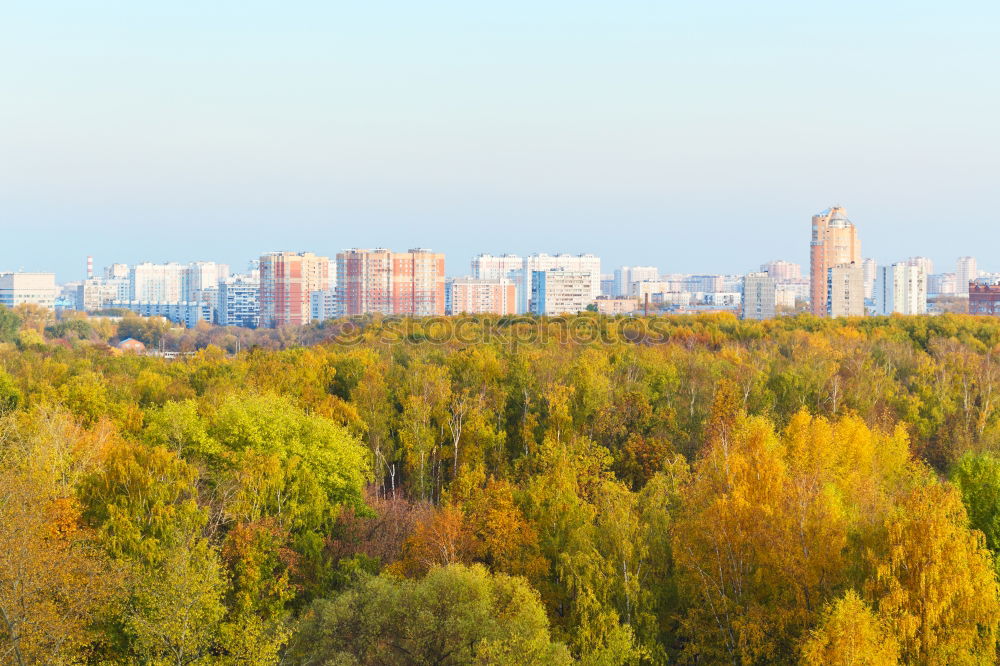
90,267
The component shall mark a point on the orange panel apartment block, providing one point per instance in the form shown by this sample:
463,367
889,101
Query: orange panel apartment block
401,283
286,281
472,296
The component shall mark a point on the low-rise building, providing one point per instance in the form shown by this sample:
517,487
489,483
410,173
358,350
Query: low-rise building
132,345
616,306
28,288
184,312
984,299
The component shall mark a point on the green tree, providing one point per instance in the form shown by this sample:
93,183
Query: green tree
10,324
175,611
455,615
977,477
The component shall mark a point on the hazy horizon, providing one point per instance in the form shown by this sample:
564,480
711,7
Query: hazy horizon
694,138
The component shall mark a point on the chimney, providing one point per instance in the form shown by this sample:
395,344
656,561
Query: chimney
90,267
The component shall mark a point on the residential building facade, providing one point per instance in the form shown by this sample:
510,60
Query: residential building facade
480,296
834,243
984,299
760,292
573,263
901,288
966,271
287,279
381,281
239,301
558,291
625,276
28,288
845,295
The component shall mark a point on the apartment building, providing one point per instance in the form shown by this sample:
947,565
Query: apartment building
578,263
901,288
834,243
760,296
28,288
287,279
400,283
845,293
558,291
479,296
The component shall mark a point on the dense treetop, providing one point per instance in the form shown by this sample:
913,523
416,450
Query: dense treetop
501,490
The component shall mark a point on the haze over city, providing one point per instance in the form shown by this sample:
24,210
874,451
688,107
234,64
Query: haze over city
696,138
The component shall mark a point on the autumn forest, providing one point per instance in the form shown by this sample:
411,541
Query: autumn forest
695,490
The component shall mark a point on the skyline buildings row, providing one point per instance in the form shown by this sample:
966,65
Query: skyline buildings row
289,288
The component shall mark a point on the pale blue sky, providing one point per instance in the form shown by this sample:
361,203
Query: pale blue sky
695,136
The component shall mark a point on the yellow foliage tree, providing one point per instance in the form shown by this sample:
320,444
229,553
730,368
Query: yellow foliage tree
933,579
850,634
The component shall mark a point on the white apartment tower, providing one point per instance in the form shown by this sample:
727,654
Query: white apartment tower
557,291
626,275
870,269
901,288
759,296
966,272
588,264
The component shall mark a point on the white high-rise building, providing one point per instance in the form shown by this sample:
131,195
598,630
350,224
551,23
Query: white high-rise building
901,288
626,275
157,283
923,262
558,291
573,263
966,272
504,266
869,268
494,267
203,276
942,284
239,301
759,296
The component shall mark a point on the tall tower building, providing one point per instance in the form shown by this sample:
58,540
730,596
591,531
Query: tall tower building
287,280
834,243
